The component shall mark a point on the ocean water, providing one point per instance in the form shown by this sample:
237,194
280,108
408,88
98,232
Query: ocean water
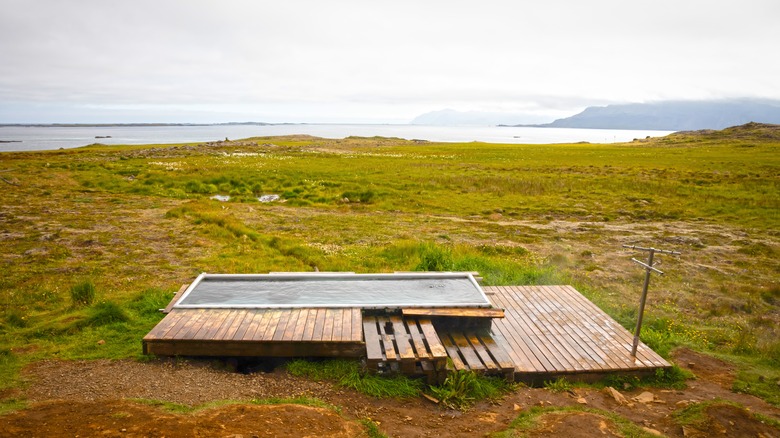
16,138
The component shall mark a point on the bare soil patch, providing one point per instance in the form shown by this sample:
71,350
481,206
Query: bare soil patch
575,425
125,418
706,368
95,398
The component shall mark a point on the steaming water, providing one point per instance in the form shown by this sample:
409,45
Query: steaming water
335,292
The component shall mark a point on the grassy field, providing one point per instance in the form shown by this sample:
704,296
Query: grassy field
137,222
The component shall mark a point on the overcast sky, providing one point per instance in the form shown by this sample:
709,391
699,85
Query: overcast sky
374,61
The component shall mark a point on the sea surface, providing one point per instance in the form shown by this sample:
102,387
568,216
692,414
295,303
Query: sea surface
23,138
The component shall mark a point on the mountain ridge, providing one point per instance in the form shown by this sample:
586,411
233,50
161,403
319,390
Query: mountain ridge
672,115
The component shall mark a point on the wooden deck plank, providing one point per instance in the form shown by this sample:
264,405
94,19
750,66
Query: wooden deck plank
574,329
403,340
644,353
533,313
481,351
300,325
246,324
236,325
319,325
327,328
184,322
262,326
270,329
232,314
570,318
526,329
498,353
467,352
372,338
591,323
522,356
417,338
193,325
311,319
575,355
175,298
387,341
212,324
338,324
596,325
346,324
165,325
469,312
522,295
525,358
624,338
281,325
517,358
357,325
553,339
292,322
453,352
431,338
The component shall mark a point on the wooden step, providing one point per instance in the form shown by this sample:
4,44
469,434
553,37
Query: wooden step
477,351
465,312
399,344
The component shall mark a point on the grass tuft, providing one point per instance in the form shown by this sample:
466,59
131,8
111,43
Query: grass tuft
105,313
462,389
372,428
558,385
82,294
435,258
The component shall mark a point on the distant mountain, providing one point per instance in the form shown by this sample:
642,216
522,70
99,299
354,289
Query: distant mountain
674,115
474,118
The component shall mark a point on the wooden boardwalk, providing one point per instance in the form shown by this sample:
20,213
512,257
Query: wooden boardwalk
258,332
553,330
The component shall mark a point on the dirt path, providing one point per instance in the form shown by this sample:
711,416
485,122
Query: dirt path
94,398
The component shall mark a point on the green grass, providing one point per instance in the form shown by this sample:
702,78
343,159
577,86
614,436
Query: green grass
137,222
372,429
82,294
179,408
347,373
672,378
461,389
558,385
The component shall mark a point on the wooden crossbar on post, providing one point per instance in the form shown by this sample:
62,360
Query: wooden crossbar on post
648,269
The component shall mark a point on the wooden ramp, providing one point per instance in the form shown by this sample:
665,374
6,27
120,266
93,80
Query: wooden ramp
258,332
551,331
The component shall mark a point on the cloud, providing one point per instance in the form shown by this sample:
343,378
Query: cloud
395,59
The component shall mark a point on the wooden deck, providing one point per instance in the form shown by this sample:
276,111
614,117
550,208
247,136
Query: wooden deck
533,334
553,331
258,332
